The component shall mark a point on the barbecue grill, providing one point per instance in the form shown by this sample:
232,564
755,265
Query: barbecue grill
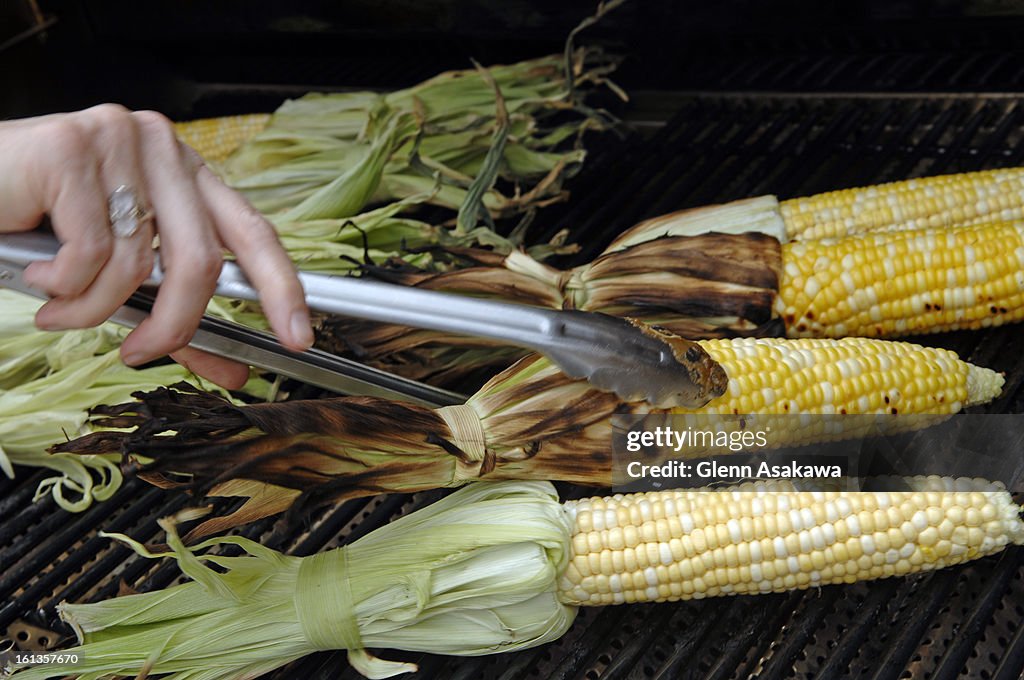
736,108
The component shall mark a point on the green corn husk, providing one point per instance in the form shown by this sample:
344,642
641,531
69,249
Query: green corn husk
385,147
340,174
49,382
500,567
347,194
475,573
314,178
337,246
27,353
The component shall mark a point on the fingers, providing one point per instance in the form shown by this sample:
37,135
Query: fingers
60,175
190,251
67,165
115,146
228,374
80,223
254,242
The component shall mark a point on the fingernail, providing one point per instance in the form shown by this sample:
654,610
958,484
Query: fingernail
302,330
30,275
45,323
133,358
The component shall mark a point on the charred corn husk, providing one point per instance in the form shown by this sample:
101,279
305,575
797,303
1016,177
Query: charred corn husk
884,284
44,411
529,422
48,382
710,285
501,567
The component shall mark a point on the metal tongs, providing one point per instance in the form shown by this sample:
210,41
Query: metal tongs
611,353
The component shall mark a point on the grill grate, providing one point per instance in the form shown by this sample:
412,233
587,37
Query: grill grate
963,622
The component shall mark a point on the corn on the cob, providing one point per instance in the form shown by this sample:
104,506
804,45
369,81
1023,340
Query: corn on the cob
937,202
886,284
217,138
852,375
529,422
500,567
771,536
892,284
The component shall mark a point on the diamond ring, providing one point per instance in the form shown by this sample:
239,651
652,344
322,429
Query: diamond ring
126,214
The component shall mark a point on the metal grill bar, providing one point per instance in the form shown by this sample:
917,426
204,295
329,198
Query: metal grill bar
715,148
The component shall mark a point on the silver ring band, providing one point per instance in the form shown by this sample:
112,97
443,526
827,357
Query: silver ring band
126,214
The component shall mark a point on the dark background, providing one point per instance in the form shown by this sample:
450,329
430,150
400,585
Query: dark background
734,99
192,58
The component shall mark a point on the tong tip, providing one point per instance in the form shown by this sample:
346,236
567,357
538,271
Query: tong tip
707,378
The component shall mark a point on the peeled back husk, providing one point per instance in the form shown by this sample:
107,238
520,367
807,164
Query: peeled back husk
705,286
529,422
447,123
474,573
50,381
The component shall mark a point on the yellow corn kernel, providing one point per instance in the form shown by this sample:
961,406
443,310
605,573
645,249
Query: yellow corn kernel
930,538
850,375
930,202
217,138
903,283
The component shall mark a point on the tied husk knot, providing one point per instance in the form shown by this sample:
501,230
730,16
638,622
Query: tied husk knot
529,422
475,573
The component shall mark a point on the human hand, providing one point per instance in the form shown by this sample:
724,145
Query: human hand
67,165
